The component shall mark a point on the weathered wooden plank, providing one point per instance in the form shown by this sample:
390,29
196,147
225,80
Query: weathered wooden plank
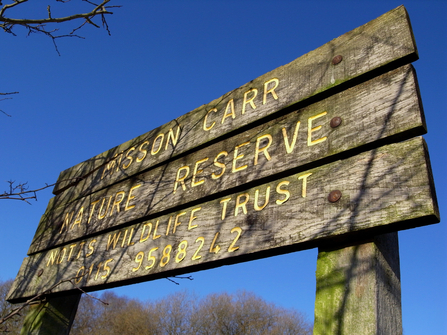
358,288
373,48
53,316
382,190
386,106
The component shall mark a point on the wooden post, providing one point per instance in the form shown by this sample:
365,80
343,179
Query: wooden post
52,317
358,289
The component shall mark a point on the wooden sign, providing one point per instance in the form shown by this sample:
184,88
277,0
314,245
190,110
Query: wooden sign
297,157
303,138
374,48
386,189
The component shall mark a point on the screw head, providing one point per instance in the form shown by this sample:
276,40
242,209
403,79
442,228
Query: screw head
334,196
336,121
337,59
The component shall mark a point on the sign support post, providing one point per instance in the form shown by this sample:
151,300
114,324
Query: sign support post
53,316
358,288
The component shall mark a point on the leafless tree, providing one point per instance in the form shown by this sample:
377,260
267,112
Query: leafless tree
87,315
10,325
183,313
246,313
173,314
120,316
12,317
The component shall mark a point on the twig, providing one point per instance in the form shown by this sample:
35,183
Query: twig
179,277
21,192
41,297
8,93
39,25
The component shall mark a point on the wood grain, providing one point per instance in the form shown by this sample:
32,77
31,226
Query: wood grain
376,47
359,285
386,108
385,189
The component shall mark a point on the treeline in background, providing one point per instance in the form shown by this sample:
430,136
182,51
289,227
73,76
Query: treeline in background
180,313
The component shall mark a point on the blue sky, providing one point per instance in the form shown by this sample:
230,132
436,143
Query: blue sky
166,58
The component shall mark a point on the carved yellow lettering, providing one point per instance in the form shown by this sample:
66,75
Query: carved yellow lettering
113,240
116,204
93,204
237,157
102,216
119,158
78,219
177,222
266,201
129,158
281,191
169,225
192,218
155,236
66,221
196,171
214,248
130,197
71,251
229,111
129,242
219,164
304,188
62,255
270,90
310,130
205,127
224,203
91,248
196,255
78,277
258,150
123,241
53,256
161,136
238,231
109,167
249,101
173,138
290,146
145,238
107,268
241,204
181,180
80,249
143,151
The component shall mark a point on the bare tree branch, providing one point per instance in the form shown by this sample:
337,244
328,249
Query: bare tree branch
40,25
41,297
179,277
100,9
9,93
21,192
7,23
